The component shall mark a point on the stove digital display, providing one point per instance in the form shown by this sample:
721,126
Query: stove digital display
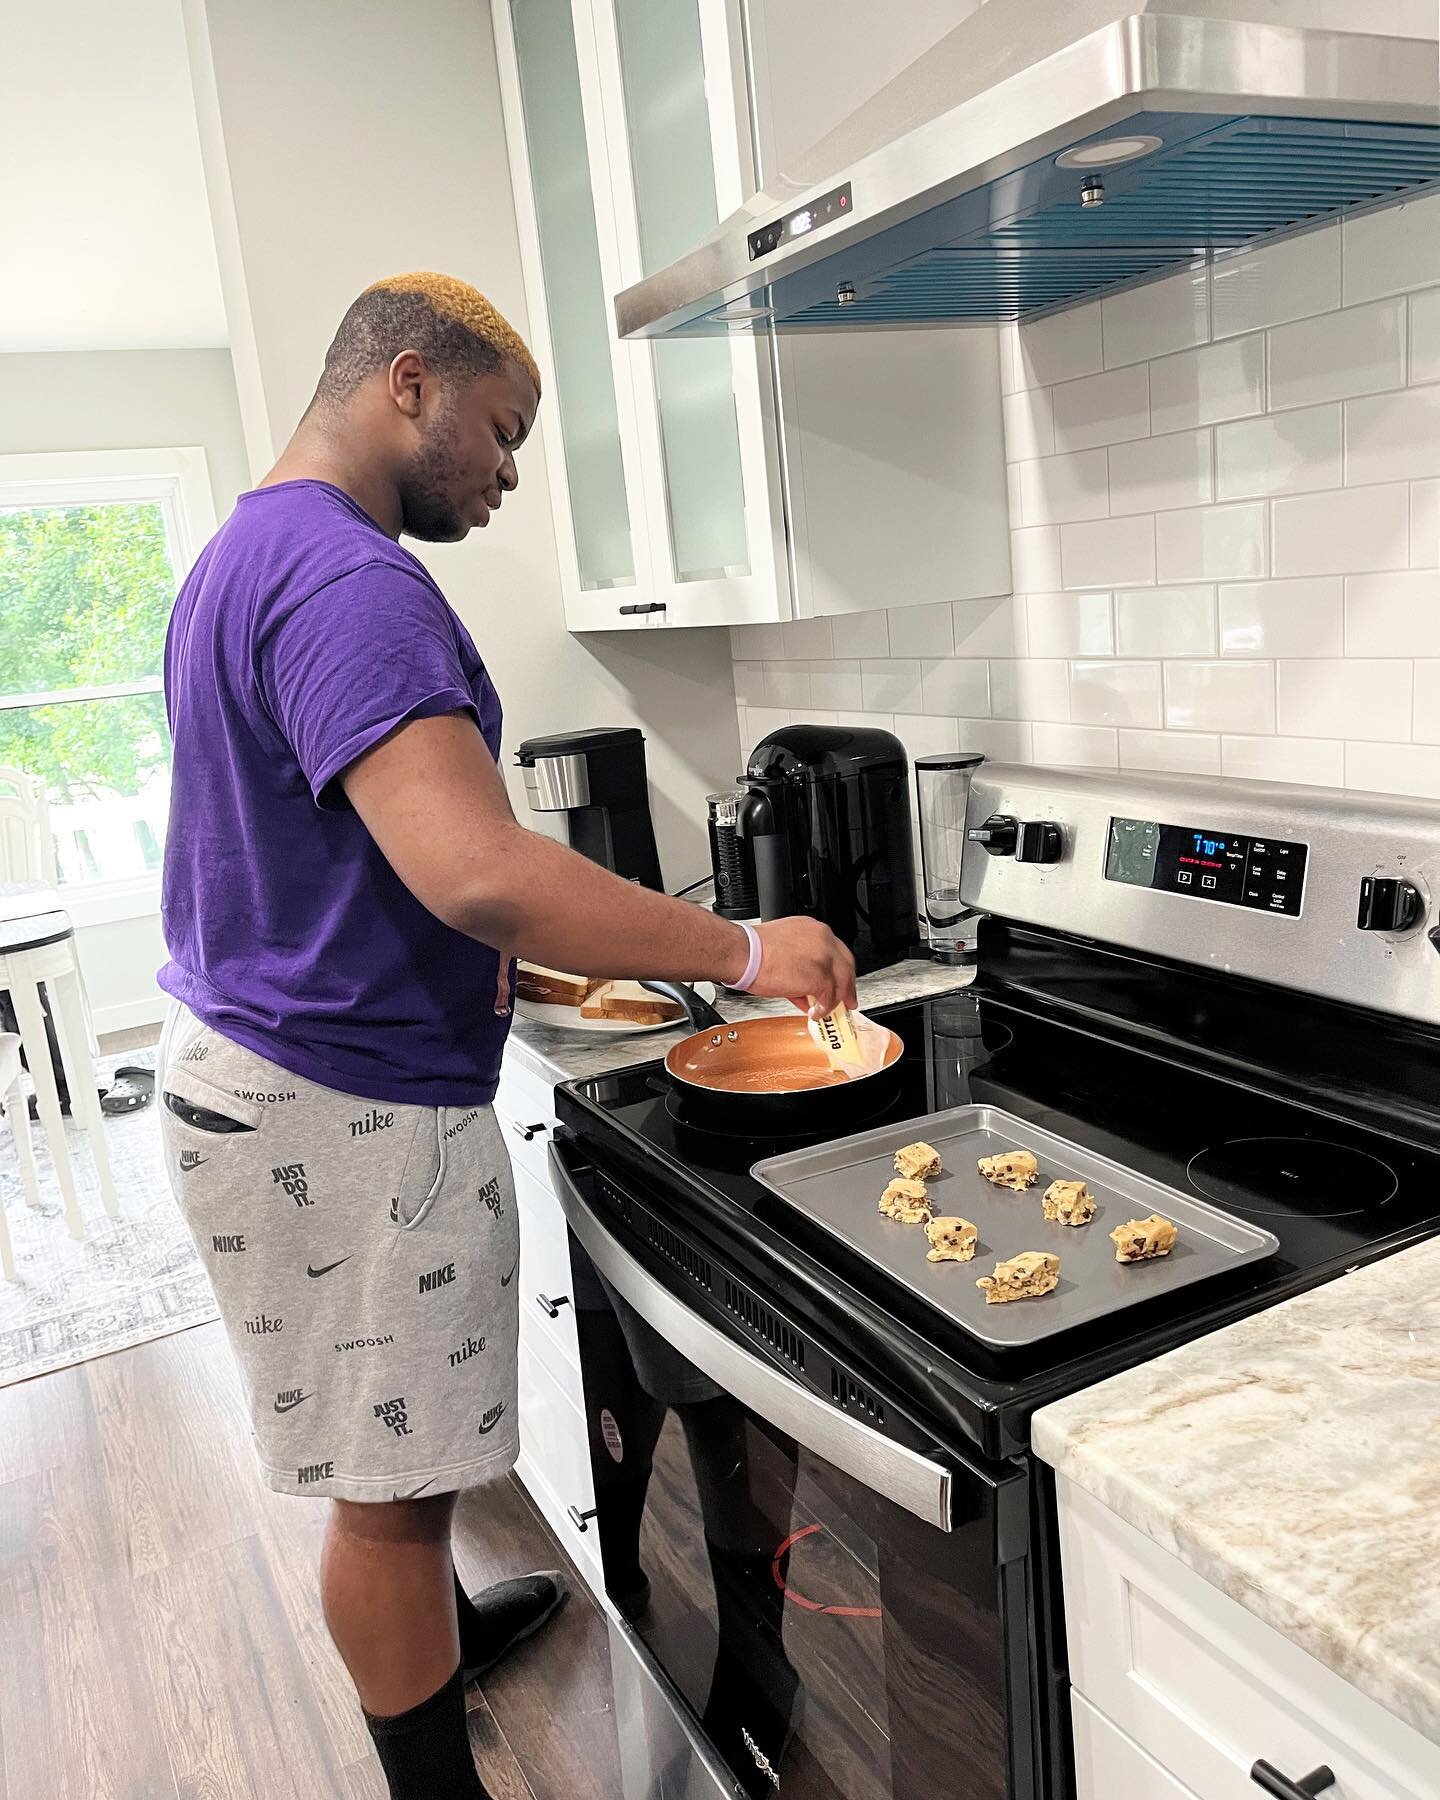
1262,873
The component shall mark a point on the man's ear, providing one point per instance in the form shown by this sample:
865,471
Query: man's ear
406,381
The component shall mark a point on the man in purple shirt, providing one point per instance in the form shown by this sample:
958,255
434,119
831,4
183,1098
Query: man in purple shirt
345,886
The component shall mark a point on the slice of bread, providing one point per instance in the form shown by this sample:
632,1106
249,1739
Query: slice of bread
629,1001
552,987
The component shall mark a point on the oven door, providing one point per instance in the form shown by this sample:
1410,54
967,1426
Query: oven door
810,1598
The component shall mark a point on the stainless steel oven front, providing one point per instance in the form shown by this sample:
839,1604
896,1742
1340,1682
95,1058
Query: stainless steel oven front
811,1596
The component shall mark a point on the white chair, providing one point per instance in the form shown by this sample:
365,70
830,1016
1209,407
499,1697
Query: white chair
27,849
17,1113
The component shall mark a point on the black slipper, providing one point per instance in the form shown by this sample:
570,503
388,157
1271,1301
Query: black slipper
131,1088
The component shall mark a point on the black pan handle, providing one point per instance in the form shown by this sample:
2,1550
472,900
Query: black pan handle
1267,1776
701,1014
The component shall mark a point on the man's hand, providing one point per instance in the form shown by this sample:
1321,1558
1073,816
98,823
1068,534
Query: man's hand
801,960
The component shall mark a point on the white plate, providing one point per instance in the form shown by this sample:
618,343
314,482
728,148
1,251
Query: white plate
567,1018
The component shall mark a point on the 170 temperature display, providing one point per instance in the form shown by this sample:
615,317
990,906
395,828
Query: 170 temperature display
1263,873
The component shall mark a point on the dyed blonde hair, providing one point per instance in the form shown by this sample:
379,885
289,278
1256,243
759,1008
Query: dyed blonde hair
451,324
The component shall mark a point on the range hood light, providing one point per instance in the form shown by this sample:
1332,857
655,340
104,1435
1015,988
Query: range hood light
745,315
1107,154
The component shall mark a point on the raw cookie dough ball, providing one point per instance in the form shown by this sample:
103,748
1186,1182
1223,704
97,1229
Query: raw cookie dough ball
1024,1277
1015,1169
1142,1239
951,1240
1068,1203
906,1202
917,1162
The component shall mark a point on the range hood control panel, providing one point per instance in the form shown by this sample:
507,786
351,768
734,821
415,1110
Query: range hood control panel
800,223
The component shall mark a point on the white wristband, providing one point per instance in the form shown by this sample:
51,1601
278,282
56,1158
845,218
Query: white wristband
752,967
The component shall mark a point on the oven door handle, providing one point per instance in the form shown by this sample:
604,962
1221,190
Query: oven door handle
891,1470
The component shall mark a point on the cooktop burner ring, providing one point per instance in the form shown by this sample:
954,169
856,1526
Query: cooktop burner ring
1281,1177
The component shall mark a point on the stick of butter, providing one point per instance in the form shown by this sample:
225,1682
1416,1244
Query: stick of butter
838,1039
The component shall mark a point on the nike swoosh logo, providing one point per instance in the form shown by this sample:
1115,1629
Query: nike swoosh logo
420,1490
328,1267
192,1162
499,1415
290,1405
505,1280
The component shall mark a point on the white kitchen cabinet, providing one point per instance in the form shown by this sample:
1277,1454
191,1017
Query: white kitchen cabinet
1179,1690
731,480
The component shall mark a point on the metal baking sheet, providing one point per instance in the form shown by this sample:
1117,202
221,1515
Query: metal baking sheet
839,1184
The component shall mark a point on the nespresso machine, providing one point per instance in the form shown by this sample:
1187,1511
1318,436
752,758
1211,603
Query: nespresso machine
597,779
827,812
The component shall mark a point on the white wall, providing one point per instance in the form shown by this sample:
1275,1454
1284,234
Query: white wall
335,156
1225,502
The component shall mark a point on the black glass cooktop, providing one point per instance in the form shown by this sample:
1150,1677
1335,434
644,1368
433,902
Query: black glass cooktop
1334,1193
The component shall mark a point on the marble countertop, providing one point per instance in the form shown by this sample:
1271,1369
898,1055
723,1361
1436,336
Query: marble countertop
559,1055
1293,1461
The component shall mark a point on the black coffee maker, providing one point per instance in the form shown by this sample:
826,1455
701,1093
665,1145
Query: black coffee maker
827,811
597,779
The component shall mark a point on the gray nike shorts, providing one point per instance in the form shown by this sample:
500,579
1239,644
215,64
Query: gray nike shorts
363,1257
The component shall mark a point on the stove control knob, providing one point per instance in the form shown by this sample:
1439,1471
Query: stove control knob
999,834
1388,904
1041,841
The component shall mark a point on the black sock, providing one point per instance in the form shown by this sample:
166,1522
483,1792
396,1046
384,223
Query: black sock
425,1752
473,1644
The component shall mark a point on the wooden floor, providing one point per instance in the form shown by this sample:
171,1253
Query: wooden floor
160,1627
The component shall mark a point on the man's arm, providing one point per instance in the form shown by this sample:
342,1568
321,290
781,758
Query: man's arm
433,800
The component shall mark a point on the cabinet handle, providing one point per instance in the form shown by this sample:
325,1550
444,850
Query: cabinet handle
581,1521
530,1132
1267,1776
648,606
551,1308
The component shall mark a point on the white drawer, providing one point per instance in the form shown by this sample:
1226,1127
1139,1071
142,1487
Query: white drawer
1108,1766
555,1463
1205,1687
545,1274
525,1108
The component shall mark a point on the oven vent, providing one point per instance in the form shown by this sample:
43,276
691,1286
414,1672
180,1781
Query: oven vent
617,1197
676,1251
765,1325
852,1398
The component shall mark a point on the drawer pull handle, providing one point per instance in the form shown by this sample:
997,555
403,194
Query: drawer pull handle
1267,1776
581,1521
530,1132
551,1308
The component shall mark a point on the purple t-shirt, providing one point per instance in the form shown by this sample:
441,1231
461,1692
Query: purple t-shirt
301,637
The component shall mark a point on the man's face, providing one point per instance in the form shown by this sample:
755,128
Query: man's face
466,457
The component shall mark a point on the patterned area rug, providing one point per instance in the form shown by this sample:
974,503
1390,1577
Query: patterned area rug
133,1278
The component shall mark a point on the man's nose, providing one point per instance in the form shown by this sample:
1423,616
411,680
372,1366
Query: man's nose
508,476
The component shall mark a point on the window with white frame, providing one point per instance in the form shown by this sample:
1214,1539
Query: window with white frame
93,545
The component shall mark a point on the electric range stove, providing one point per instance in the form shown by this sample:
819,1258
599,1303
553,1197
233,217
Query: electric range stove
848,1469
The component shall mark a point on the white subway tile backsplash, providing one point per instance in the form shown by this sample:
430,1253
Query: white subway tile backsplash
1358,351
1202,387
861,634
1168,621
1393,615
1108,553
750,689
1351,698
1104,409
993,627
1158,473
754,643
1035,559
891,685
1008,343
1393,769
952,685
1076,746
1029,424
924,735
812,715
1425,719
1220,696
836,684
1058,489
1004,740
1150,321
1179,752
922,630
1283,618
1286,453
807,637
760,721
1289,280
1037,688
1318,762
1425,524
1425,336
1115,693
866,721
1014,495
1069,625
1210,543
787,685
1393,437
1389,251
1060,348
1355,531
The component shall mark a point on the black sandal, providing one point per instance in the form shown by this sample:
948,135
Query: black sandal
131,1089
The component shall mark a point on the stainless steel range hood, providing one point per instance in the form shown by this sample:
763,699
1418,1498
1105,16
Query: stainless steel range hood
1046,151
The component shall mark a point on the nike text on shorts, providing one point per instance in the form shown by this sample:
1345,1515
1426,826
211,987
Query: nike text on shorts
363,1255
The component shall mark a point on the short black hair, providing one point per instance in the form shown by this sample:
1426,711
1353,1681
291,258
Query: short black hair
451,324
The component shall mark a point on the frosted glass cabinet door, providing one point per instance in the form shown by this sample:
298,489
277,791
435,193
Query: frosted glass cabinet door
576,303
673,179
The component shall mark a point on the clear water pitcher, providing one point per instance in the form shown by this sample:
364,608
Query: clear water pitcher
942,786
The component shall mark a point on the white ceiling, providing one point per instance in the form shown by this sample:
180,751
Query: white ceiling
105,238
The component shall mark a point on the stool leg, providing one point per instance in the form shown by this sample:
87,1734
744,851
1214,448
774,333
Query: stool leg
31,1020
18,1113
69,1010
